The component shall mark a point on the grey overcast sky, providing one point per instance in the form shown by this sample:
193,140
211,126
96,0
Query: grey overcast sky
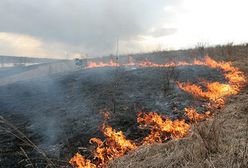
56,28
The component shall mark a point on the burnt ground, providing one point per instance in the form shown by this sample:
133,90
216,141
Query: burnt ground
62,112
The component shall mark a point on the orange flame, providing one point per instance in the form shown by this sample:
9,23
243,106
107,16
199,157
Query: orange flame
79,161
93,64
161,129
216,92
143,64
115,145
194,116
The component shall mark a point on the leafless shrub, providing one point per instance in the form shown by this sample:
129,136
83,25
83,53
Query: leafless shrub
229,49
201,48
170,76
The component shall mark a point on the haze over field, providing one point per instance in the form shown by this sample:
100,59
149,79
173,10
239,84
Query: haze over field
59,29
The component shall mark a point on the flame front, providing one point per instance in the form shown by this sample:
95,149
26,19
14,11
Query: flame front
92,64
115,145
143,64
79,161
193,116
160,128
216,91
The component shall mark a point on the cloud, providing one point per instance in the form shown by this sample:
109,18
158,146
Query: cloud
214,22
159,32
93,26
90,26
21,45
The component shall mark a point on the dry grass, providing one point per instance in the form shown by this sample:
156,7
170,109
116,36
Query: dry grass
9,128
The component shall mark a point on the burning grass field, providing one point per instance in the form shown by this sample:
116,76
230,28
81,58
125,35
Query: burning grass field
134,114
218,142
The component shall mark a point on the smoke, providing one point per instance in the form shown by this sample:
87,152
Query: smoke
52,108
